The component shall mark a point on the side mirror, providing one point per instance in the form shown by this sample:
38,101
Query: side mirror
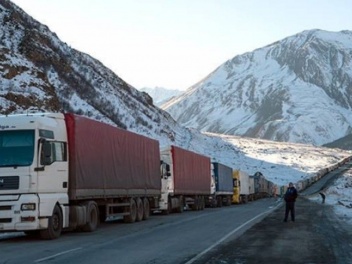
45,155
168,173
165,169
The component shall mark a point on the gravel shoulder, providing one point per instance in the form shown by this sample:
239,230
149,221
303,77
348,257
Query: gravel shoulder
317,236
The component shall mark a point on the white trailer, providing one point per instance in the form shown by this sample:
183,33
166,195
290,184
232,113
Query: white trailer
247,187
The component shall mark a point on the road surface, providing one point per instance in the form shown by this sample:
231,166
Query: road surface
248,233
174,238
317,236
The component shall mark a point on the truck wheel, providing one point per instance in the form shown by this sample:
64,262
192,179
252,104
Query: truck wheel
54,225
146,207
92,217
180,208
195,205
219,201
202,203
228,200
169,208
132,210
139,205
215,202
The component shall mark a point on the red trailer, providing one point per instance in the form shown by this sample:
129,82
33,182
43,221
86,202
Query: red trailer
116,169
186,179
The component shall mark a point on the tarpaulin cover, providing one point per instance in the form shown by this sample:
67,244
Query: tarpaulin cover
106,161
223,178
192,172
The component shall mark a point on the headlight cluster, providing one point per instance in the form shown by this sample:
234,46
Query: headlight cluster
28,207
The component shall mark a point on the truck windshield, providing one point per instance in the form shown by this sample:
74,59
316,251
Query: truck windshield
16,148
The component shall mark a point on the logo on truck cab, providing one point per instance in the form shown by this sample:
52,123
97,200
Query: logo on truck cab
6,126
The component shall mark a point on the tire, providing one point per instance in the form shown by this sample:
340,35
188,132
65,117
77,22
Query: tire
195,206
169,208
54,225
202,200
132,209
140,209
146,209
199,203
229,201
180,208
219,201
92,217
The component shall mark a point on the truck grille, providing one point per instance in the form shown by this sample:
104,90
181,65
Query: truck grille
9,183
5,220
5,208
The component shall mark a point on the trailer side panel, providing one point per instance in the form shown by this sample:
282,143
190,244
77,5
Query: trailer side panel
223,178
192,172
106,161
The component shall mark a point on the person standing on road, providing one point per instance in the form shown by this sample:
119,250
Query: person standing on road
290,199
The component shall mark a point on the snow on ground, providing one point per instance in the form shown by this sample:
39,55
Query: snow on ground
340,196
280,162
284,162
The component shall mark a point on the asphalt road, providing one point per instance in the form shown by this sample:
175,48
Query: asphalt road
317,236
243,234
326,180
174,239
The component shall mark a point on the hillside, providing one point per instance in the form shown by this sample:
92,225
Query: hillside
41,73
160,95
298,89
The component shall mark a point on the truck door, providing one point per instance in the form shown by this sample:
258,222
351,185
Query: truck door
53,170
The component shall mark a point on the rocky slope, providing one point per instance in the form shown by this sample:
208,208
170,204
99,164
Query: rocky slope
298,89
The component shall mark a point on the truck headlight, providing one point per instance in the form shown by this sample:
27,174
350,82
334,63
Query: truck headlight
28,207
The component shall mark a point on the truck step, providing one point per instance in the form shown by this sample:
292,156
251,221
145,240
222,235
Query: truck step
118,204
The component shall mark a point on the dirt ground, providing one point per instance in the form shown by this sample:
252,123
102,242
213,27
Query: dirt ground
317,236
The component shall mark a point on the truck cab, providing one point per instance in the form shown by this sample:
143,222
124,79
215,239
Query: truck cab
33,173
166,185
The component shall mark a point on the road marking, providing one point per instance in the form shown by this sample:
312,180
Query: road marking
230,234
56,255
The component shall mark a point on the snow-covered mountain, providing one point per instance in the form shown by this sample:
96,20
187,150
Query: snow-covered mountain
160,95
298,89
38,72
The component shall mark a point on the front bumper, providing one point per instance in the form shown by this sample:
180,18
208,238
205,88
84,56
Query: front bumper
12,218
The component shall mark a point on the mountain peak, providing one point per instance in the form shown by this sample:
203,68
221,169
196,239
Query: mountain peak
161,94
297,89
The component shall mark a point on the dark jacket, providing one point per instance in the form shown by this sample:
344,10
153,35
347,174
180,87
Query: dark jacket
291,194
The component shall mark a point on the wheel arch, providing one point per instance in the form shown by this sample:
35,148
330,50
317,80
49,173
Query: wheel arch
47,203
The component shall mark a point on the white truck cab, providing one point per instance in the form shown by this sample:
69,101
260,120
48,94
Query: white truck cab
33,183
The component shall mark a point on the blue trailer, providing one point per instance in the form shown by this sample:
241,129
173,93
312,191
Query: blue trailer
221,187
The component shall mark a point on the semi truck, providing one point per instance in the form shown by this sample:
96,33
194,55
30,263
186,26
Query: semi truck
186,180
65,171
222,186
236,198
246,187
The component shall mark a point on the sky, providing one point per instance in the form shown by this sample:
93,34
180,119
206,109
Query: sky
175,44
